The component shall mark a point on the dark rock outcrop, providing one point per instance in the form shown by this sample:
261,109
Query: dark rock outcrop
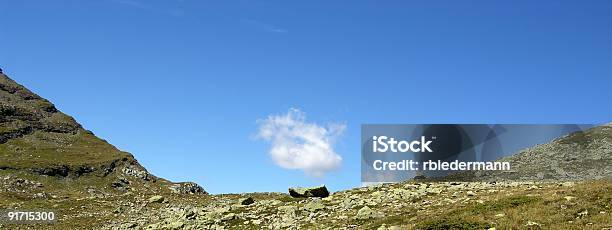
317,191
187,188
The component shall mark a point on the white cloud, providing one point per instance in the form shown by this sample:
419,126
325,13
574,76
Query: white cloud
297,144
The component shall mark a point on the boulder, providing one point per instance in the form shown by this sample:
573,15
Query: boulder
533,224
314,206
367,213
246,201
175,225
318,191
187,188
569,198
156,199
288,210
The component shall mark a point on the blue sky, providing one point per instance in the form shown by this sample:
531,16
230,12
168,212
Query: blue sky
181,84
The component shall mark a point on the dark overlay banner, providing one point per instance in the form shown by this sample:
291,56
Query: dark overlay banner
398,152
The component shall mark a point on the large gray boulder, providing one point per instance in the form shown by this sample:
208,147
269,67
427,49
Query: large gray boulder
317,191
187,188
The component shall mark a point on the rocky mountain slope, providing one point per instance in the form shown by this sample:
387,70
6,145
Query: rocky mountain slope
37,138
585,155
48,161
45,154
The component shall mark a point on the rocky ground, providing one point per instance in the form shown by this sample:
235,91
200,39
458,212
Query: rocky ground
410,205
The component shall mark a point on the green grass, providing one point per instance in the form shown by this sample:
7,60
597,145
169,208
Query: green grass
452,224
498,205
42,149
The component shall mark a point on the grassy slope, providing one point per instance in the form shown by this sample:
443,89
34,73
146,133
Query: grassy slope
42,149
40,136
36,140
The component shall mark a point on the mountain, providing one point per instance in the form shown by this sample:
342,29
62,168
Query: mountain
46,155
37,138
583,155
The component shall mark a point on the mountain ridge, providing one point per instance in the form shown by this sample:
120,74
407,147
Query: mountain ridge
581,155
58,144
39,142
